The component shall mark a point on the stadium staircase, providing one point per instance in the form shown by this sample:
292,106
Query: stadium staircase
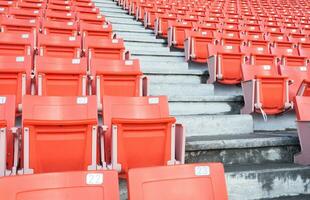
258,155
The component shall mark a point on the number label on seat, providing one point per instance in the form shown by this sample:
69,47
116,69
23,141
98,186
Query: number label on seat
94,179
202,170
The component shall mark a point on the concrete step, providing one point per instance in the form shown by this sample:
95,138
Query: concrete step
132,44
203,125
117,20
254,148
205,105
105,10
252,182
297,197
181,79
181,89
120,28
284,121
160,58
221,89
129,27
117,15
168,68
133,38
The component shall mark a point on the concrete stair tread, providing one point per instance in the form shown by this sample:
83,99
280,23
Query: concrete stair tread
172,89
251,140
266,167
151,52
201,125
298,197
205,98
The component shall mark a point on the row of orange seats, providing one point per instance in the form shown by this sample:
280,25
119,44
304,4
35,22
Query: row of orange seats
196,181
70,123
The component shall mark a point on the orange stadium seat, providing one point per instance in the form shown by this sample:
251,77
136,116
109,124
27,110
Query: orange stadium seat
59,16
94,10
60,8
104,48
196,45
50,27
289,56
116,78
80,185
199,181
137,123
61,76
96,30
30,6
68,123
20,13
59,46
16,44
8,163
15,77
296,74
176,33
161,24
11,25
302,106
258,55
265,91
225,64
91,18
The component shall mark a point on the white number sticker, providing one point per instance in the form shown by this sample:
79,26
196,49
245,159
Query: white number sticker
202,170
153,100
76,61
71,38
2,100
25,36
94,179
128,62
81,100
20,59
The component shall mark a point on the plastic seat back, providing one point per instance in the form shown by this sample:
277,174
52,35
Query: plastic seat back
228,60
201,181
290,56
15,77
59,16
95,30
91,18
59,134
7,121
12,25
198,44
116,77
138,123
61,76
259,55
59,46
20,13
81,185
297,74
50,27
104,48
16,44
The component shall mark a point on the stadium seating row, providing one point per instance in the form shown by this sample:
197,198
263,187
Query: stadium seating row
71,123
197,181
